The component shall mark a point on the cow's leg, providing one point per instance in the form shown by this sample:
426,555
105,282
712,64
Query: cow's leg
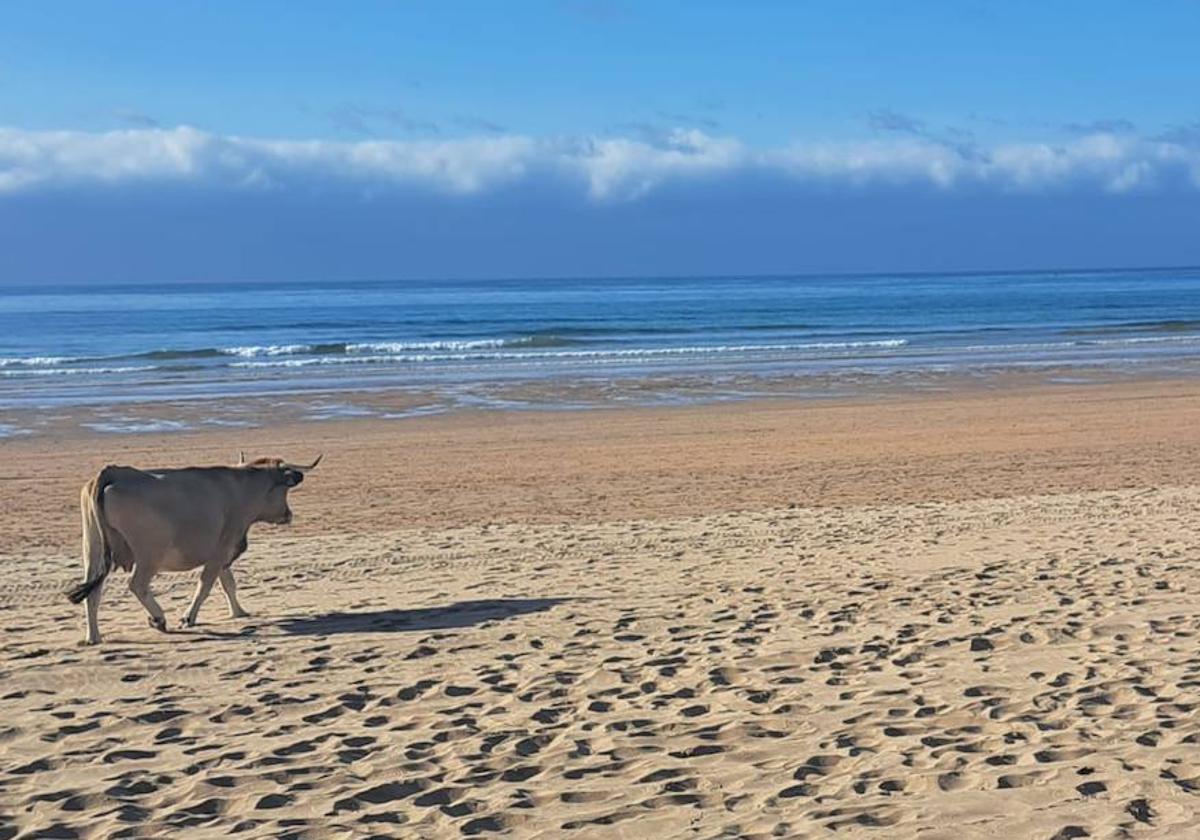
139,585
208,576
92,608
230,587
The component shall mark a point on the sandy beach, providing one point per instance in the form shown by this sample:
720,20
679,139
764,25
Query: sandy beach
960,615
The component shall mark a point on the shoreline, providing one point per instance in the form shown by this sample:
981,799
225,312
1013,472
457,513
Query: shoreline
200,413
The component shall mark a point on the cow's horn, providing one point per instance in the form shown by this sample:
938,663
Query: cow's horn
303,467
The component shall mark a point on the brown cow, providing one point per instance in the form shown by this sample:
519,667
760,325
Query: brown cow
175,520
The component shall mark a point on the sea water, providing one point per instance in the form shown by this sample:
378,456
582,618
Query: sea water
102,344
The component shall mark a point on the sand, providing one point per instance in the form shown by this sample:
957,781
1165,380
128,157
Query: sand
956,616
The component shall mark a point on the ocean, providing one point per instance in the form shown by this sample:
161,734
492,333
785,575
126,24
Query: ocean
574,343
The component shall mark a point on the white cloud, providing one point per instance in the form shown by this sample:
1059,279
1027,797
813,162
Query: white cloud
903,160
630,168
467,165
606,168
1110,162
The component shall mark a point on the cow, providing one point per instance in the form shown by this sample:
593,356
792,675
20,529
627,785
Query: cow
175,520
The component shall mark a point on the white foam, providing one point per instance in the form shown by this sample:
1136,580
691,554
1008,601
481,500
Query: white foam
1076,344
136,426
1158,339
416,411
257,350
268,350
233,424
73,371
327,411
584,355
453,346
33,361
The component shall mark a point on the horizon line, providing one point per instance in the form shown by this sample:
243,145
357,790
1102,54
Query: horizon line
800,275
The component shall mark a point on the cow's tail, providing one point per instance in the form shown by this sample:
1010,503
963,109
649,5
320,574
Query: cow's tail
97,551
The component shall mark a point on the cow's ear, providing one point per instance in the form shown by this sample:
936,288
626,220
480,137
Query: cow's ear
292,477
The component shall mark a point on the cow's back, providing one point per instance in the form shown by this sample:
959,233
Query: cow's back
175,518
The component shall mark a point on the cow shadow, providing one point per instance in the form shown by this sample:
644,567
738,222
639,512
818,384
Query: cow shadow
461,614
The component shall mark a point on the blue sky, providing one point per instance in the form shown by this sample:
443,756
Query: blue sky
184,141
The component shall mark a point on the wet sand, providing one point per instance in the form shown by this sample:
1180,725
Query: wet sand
958,615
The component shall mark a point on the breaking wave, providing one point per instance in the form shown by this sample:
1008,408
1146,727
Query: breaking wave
568,355
333,348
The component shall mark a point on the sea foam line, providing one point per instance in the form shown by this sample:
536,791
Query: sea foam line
352,348
74,371
569,355
34,361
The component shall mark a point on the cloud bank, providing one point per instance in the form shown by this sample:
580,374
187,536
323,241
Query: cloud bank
602,169
157,204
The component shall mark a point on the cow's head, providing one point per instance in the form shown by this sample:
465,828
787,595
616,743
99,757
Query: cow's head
281,477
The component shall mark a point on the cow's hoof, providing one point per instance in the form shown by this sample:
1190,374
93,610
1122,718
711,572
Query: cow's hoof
242,614
185,622
89,642
159,624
